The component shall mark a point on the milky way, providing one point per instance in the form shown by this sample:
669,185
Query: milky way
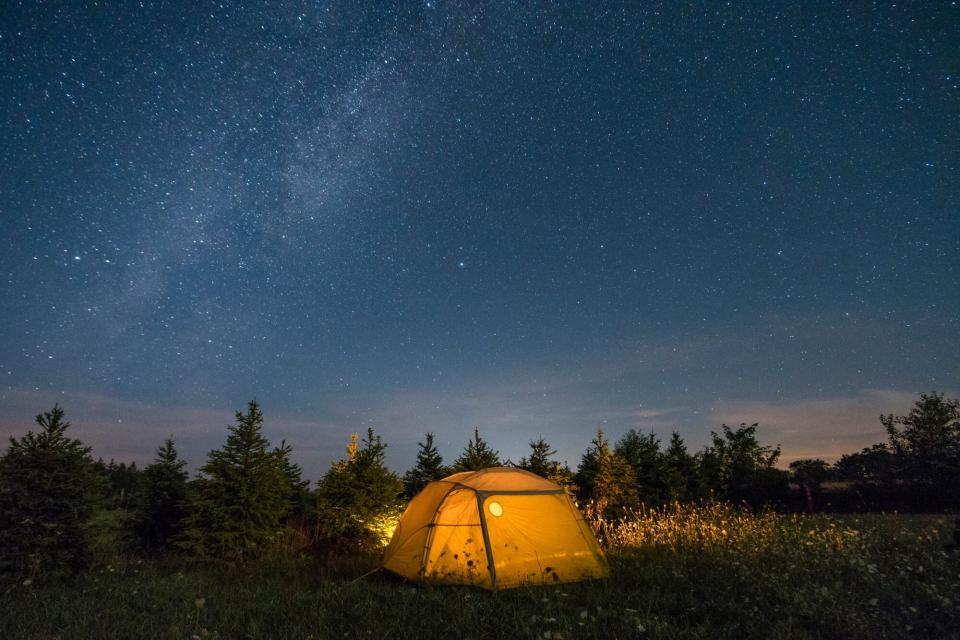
533,219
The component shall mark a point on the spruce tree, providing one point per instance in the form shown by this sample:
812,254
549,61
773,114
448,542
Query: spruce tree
48,490
359,497
682,473
299,489
241,496
643,453
605,479
429,467
477,455
541,462
161,502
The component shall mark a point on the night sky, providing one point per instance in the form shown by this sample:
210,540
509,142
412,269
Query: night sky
530,218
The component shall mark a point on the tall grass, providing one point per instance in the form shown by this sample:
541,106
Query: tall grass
706,571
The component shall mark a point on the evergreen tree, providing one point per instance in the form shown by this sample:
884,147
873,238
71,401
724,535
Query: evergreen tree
682,473
476,455
642,452
541,462
429,467
605,479
358,498
48,490
241,496
299,489
161,500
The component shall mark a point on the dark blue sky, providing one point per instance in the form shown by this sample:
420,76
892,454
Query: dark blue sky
529,218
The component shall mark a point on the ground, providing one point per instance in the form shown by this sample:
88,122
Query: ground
689,574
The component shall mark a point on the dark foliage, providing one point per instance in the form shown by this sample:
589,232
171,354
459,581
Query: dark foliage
357,497
299,494
161,502
642,453
741,470
121,481
606,480
237,504
48,490
429,467
476,455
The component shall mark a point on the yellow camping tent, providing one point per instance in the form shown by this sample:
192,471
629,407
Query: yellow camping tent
495,528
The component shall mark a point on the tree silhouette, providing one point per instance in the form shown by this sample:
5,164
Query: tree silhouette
642,452
541,462
161,502
739,469
872,464
681,469
240,497
605,479
48,490
809,474
926,444
358,496
429,467
476,455
299,494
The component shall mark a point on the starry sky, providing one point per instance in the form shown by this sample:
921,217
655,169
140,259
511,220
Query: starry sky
532,218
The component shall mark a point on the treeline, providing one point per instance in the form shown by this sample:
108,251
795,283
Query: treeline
58,506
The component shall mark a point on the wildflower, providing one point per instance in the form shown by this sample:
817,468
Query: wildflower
200,602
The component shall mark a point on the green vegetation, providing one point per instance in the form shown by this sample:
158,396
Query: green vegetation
237,504
476,455
358,500
48,491
162,501
248,549
428,467
686,572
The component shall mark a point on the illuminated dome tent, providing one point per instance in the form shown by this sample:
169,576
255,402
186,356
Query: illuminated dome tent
495,528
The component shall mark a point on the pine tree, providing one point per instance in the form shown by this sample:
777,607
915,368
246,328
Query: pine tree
682,474
48,490
240,497
429,467
541,462
358,498
161,502
643,453
605,479
299,489
477,455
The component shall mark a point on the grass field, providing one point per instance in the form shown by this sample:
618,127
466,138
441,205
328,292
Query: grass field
706,572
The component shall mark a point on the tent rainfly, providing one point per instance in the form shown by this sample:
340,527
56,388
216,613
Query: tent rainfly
495,528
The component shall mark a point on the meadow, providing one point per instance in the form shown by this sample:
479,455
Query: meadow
682,572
